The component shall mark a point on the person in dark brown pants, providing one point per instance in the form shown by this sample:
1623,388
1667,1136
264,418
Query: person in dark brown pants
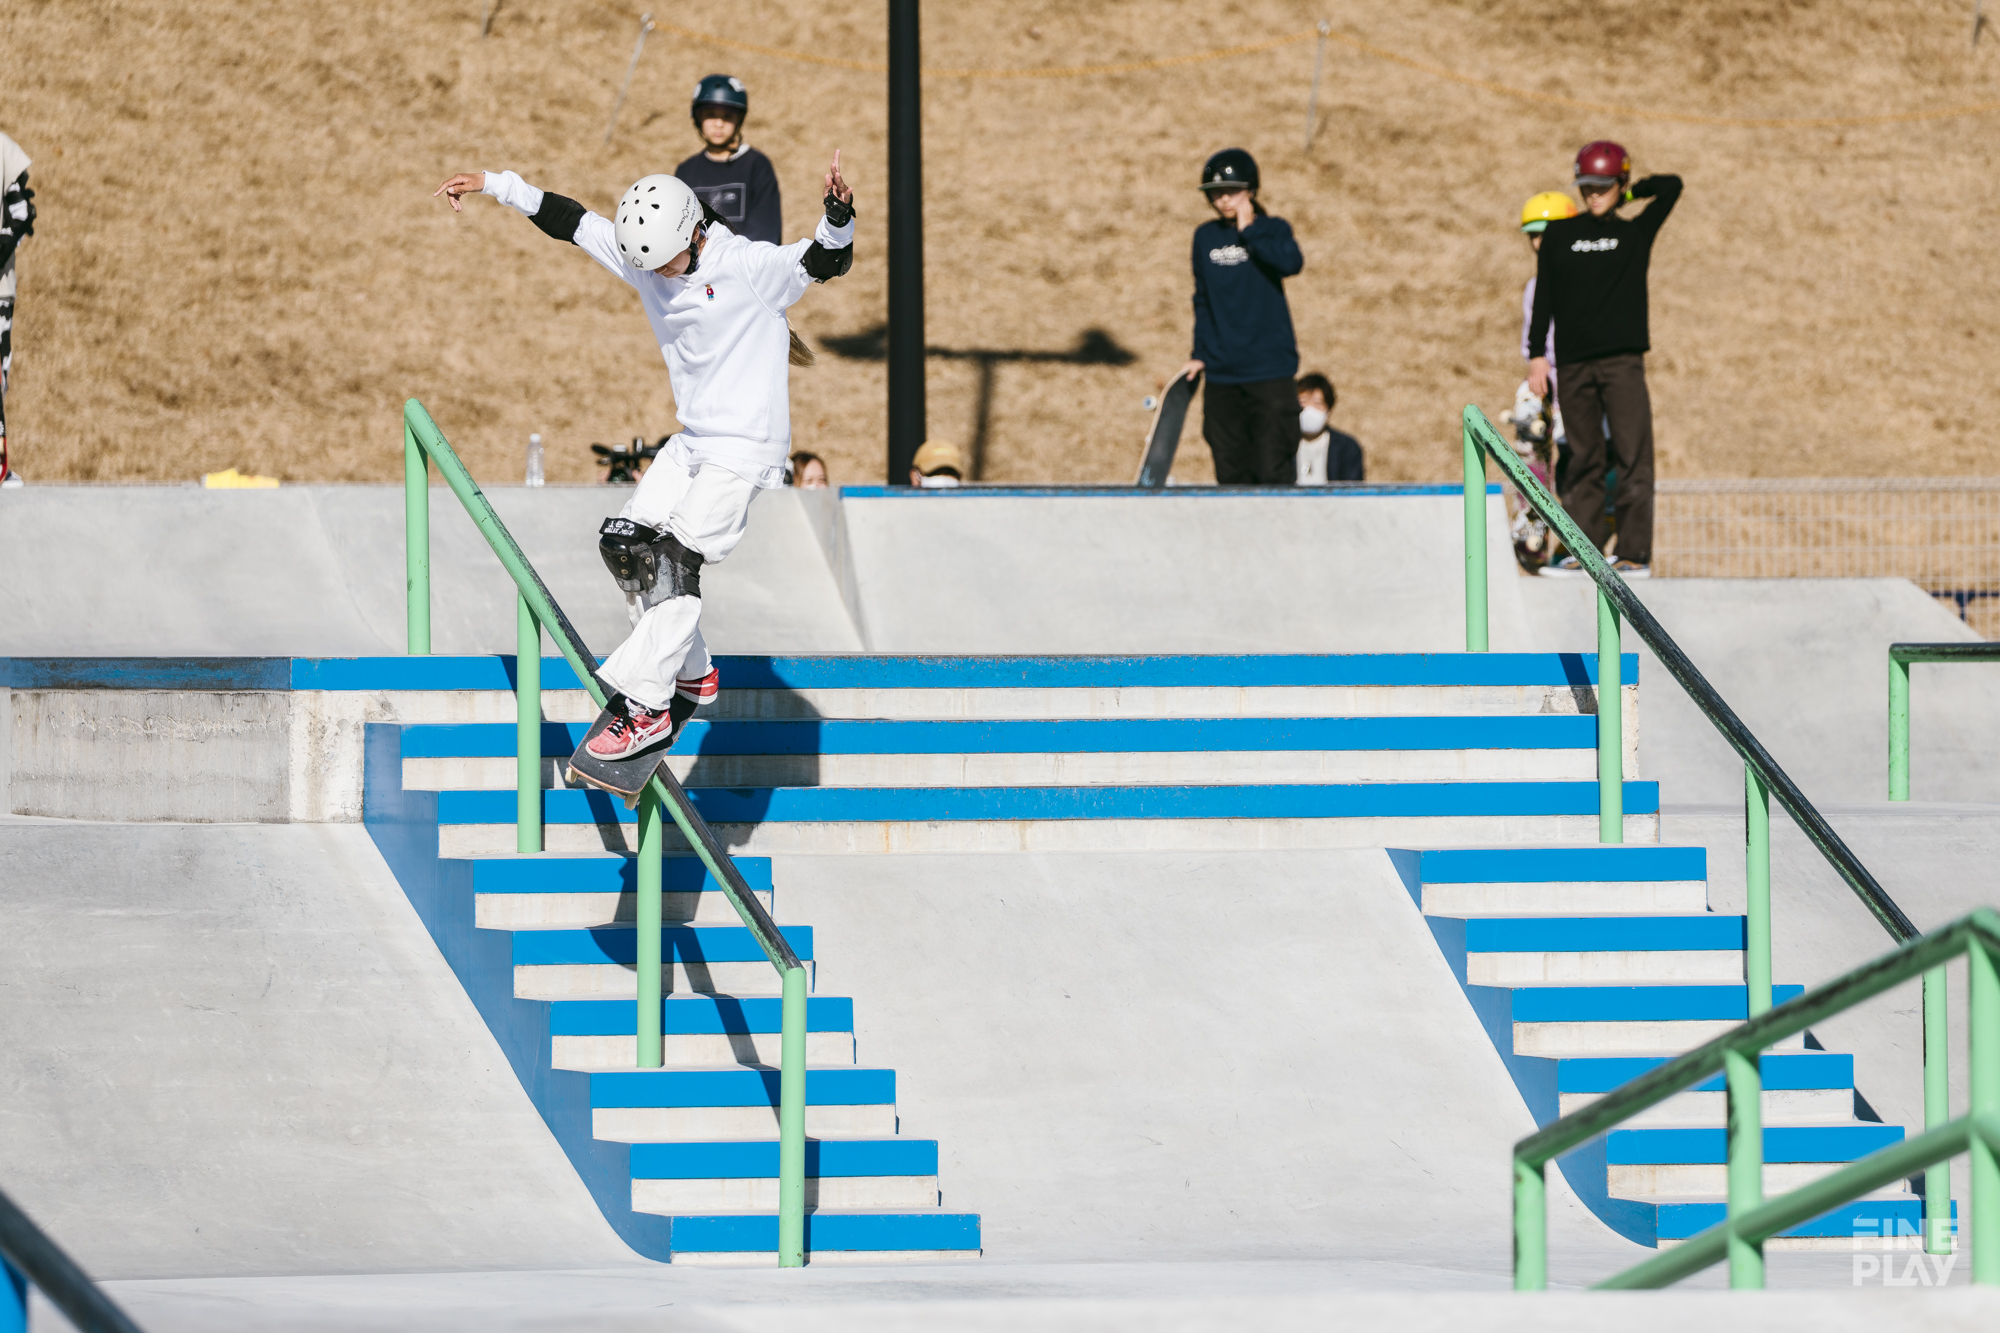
1590,281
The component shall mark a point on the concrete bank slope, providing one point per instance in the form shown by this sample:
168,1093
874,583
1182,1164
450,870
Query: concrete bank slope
173,571
1180,1056
233,1050
1804,662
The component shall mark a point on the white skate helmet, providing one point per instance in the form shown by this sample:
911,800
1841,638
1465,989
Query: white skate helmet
656,221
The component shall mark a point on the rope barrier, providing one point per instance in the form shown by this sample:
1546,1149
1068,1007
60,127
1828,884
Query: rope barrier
1357,44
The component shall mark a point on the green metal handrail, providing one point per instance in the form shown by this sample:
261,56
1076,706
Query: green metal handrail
1762,780
46,1265
1901,655
423,444
1740,1237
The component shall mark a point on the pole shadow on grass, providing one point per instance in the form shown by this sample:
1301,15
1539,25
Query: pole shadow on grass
1094,347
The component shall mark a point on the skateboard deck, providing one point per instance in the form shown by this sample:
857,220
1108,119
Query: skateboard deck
626,777
1165,436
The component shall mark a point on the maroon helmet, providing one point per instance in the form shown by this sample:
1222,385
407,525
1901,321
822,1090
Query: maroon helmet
1603,163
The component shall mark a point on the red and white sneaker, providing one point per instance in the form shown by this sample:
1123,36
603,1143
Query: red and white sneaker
630,732
701,689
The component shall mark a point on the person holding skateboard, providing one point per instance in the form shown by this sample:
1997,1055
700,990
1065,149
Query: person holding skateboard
716,303
1243,339
1590,284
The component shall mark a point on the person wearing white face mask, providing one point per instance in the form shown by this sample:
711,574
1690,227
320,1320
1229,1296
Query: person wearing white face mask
938,466
1324,454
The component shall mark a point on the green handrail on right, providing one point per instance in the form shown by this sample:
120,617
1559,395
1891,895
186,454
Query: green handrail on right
1740,1237
424,443
1901,655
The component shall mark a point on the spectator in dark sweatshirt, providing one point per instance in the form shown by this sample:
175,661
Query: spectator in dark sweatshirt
737,182
1243,329
1590,281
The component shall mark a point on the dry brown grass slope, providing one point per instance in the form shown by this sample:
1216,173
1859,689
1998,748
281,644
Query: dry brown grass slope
238,261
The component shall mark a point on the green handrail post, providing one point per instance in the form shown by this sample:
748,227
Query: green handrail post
416,544
646,921
1475,545
792,1123
1937,1111
527,727
1746,1166
1983,965
1531,1226
1899,727
1610,724
1756,891
1902,656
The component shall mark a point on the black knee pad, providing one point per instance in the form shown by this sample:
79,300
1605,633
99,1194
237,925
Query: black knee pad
639,557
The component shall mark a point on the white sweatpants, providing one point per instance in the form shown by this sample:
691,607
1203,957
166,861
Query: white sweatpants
706,507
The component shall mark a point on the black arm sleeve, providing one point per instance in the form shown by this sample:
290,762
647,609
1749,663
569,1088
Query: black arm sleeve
821,263
1664,191
559,216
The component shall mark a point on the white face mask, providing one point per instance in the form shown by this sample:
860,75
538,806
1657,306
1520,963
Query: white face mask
1312,420
937,483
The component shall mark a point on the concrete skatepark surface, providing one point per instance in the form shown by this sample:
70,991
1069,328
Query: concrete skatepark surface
257,1099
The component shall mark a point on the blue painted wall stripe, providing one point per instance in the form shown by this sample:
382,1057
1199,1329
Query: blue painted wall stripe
146,673
678,944
757,1233
1247,671
755,805
1331,492
1606,1004
753,1159
1533,934
1782,1143
1635,863
1081,736
737,1087
605,874
686,1015
1781,1069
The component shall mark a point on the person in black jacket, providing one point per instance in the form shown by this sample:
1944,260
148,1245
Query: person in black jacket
733,179
1590,280
1243,329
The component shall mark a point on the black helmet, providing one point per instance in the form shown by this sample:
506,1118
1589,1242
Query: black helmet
720,90
1230,169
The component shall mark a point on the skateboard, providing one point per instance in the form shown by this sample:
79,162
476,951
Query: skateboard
626,777
1165,436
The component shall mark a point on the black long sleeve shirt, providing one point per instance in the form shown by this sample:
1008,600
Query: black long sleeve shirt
1590,278
743,190
1242,325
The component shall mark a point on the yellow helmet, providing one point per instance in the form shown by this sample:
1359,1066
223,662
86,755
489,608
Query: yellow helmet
1545,208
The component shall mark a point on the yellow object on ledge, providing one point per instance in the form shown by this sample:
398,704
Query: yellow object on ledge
232,480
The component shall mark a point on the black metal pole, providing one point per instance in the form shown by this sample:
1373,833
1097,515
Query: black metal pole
906,244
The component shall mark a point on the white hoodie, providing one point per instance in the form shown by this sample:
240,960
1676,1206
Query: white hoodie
722,332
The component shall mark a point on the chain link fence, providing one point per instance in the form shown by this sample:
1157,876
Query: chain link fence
1941,533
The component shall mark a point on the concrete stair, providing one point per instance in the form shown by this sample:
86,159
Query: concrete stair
1580,1002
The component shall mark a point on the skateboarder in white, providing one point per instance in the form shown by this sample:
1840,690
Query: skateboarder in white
717,306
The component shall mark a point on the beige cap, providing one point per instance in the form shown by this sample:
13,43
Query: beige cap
938,454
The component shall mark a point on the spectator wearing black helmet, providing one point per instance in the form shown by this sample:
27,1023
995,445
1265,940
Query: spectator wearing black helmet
1243,329
732,178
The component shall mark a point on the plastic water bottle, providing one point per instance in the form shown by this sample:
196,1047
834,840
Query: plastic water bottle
534,460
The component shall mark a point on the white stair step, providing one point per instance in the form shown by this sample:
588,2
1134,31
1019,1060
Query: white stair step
689,1049
1639,966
